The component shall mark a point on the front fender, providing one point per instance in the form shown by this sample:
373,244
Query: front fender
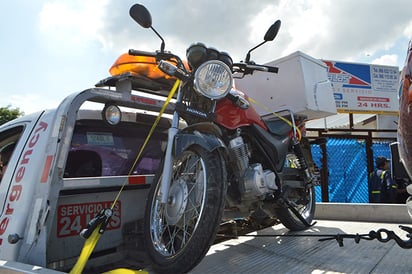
207,141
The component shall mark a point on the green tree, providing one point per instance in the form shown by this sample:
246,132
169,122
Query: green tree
8,114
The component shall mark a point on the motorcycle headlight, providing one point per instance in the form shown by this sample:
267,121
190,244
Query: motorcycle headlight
213,79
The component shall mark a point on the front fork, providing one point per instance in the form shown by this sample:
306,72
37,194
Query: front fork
168,162
167,166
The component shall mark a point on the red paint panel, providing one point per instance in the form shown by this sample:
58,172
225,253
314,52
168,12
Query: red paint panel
137,180
46,169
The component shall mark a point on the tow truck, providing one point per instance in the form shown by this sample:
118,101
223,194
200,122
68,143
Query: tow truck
97,150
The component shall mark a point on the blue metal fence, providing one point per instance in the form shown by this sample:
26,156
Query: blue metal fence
347,163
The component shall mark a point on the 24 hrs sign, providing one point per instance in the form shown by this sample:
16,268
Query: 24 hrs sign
72,218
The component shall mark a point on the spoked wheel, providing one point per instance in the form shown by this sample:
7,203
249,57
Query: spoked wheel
304,203
178,234
302,200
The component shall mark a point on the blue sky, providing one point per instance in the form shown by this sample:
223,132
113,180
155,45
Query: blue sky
50,49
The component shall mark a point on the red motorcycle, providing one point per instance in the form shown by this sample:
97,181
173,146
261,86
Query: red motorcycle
225,161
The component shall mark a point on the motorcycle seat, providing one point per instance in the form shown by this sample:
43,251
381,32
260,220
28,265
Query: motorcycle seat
280,127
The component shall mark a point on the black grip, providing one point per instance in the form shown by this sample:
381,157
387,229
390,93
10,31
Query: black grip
272,69
135,52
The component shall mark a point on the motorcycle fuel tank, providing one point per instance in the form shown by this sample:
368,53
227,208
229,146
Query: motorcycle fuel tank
232,117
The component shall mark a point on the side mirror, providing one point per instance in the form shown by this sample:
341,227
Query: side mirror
141,15
269,36
272,31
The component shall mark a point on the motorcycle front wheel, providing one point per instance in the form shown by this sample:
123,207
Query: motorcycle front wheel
178,234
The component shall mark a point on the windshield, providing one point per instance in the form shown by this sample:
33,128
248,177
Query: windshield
98,149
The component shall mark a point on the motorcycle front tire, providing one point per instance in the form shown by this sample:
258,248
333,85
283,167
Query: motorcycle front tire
178,234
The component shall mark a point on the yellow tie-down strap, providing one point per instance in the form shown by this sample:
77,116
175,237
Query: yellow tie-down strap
277,115
126,271
92,240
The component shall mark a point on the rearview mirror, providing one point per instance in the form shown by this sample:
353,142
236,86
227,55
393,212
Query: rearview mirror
272,31
269,36
141,15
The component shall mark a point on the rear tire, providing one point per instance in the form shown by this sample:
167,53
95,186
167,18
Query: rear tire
302,199
178,234
289,219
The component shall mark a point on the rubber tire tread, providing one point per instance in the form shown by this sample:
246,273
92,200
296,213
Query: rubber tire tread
205,233
290,221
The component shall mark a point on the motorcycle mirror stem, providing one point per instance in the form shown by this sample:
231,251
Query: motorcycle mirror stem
269,36
142,16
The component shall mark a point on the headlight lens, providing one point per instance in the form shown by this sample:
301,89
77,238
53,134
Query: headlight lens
112,114
213,79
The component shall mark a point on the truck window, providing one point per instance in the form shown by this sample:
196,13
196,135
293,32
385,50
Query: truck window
8,141
98,149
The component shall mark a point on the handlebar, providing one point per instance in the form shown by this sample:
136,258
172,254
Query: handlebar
135,52
250,68
159,55
245,68
263,68
162,58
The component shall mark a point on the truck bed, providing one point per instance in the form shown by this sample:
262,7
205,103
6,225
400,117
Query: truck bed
302,252
307,254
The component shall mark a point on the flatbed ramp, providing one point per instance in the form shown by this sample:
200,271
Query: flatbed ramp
306,254
277,250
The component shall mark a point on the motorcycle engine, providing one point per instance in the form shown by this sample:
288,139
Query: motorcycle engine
254,182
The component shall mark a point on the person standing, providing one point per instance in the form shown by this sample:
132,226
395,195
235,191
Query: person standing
382,189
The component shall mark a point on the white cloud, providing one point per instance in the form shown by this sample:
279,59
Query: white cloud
24,102
387,60
72,25
70,44
408,30
304,26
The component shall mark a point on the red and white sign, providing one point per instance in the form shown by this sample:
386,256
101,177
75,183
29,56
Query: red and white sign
73,218
364,88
